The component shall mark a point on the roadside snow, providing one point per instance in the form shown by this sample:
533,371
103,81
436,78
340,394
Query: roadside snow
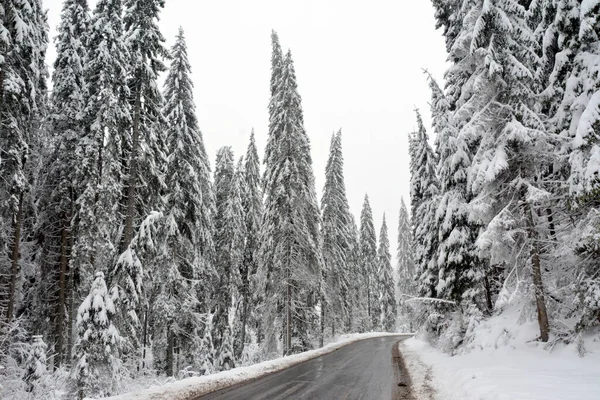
189,388
503,363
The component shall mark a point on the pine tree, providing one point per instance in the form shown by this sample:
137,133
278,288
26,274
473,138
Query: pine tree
335,304
424,192
385,275
24,32
98,343
58,203
368,249
144,149
230,242
405,268
35,365
359,317
290,258
460,276
253,210
99,173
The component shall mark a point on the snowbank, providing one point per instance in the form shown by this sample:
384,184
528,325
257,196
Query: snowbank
186,389
504,363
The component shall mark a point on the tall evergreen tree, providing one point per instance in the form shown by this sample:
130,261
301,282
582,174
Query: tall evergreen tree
98,343
290,244
385,275
405,268
335,304
253,210
189,212
58,202
24,32
229,241
144,149
368,250
424,192
460,273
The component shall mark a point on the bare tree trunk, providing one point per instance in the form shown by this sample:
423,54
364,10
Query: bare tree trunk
170,348
321,336
488,292
14,270
131,186
62,289
537,278
145,338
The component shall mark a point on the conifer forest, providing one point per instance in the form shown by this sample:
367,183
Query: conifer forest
128,251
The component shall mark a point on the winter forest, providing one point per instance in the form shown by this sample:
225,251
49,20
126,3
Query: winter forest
128,252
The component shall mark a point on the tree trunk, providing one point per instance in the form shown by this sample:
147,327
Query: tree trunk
170,348
488,293
14,270
131,186
537,278
145,338
321,337
62,304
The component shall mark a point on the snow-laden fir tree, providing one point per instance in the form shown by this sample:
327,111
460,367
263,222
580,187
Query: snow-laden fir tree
290,258
405,267
225,358
358,315
229,241
336,220
99,174
144,148
253,209
459,271
23,43
385,281
497,117
35,365
424,192
57,204
368,254
97,361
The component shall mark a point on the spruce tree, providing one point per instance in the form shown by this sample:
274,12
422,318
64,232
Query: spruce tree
368,250
290,258
66,117
460,275
229,240
385,275
98,343
24,32
335,304
144,149
253,210
405,267
424,192
35,365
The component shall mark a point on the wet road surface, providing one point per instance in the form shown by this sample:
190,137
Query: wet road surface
370,369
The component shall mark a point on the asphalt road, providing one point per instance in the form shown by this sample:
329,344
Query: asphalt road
369,369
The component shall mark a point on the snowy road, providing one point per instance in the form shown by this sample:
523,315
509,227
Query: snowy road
368,370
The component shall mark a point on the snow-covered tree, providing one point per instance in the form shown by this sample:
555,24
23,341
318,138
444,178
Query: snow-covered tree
290,258
405,267
460,273
144,148
98,343
385,275
335,304
368,250
253,210
35,365
424,192
23,43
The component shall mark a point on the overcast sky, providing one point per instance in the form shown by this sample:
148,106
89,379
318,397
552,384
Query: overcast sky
359,67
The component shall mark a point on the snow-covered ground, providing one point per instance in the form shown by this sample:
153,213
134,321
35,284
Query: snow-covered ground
192,387
504,364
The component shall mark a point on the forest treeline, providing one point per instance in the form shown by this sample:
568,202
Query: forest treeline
123,253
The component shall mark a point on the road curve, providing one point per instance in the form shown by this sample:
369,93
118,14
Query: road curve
369,369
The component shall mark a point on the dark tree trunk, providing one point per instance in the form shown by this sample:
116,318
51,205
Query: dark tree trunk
131,186
62,296
170,351
537,278
14,270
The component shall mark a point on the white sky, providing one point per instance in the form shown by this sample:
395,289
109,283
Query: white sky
359,67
